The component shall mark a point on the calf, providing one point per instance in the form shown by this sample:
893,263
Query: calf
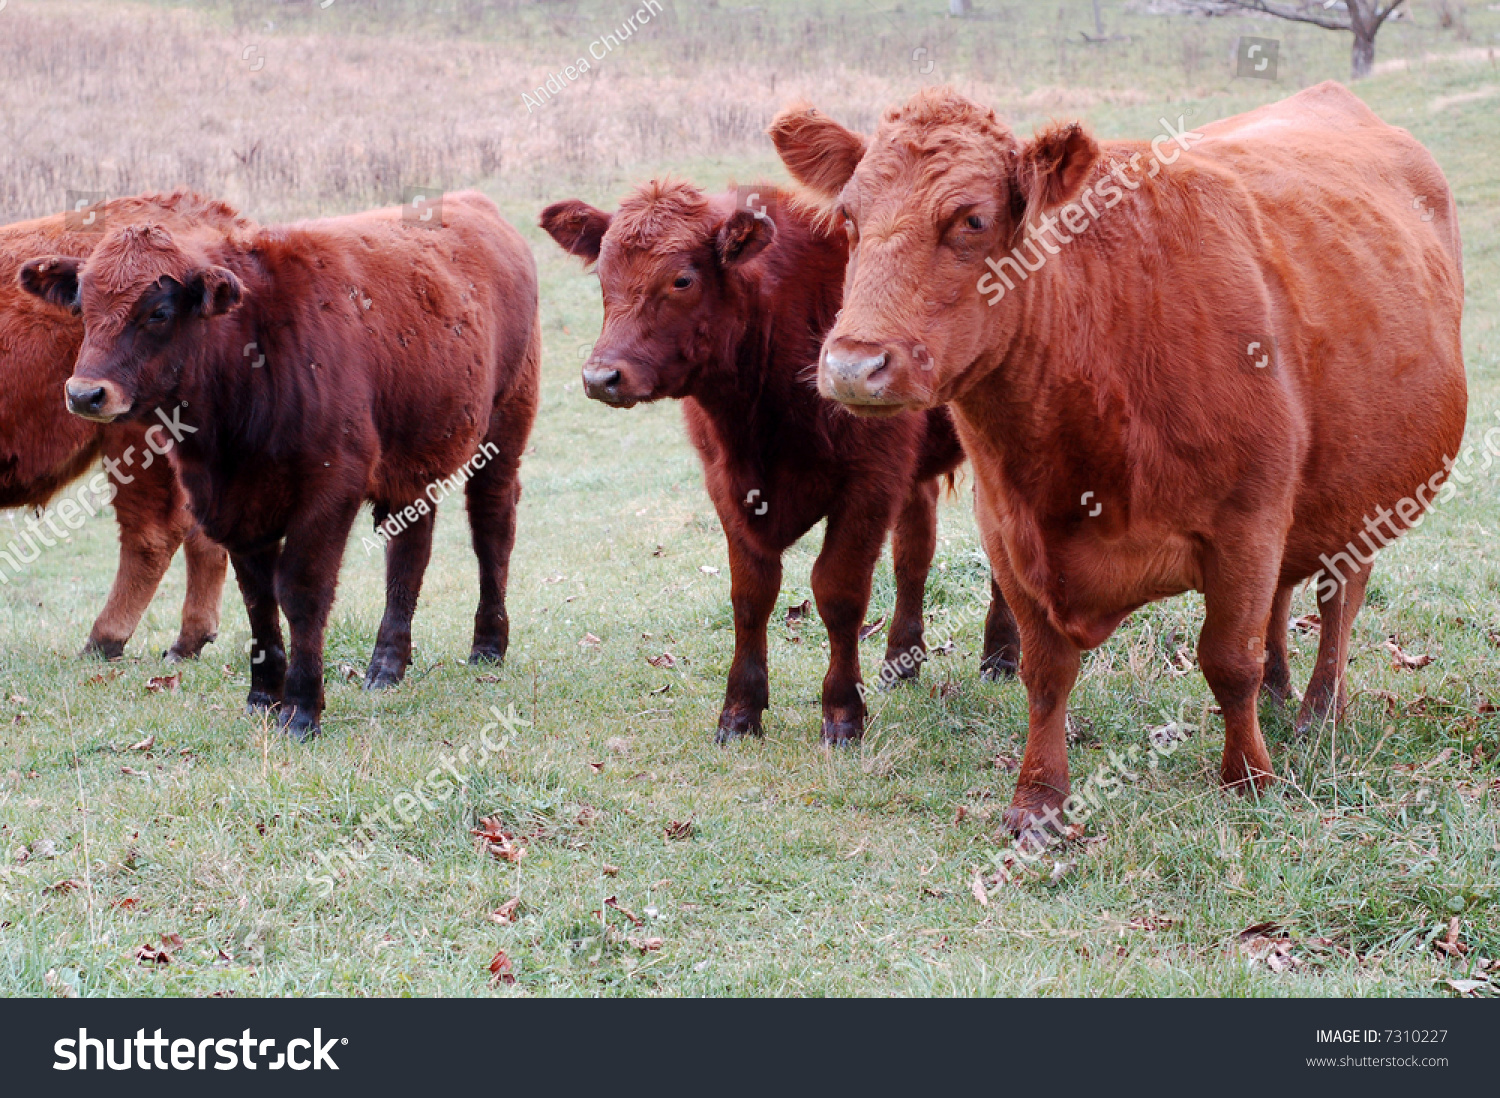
1234,349
43,449
723,307
321,364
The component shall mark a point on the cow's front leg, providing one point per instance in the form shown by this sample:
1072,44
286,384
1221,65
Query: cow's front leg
1050,670
256,575
841,585
1238,593
755,581
406,557
306,577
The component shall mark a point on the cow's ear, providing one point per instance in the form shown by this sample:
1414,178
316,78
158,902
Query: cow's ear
212,291
1054,164
54,279
743,236
577,227
820,154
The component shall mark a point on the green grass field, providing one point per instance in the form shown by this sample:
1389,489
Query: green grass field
657,863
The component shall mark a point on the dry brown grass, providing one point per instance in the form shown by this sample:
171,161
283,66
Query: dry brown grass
123,98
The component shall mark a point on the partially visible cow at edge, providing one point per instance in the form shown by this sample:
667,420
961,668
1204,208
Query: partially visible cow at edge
394,352
1131,436
724,307
43,449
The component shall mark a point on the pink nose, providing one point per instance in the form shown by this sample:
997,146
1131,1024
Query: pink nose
854,373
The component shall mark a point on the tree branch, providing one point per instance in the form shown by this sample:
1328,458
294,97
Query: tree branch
1296,15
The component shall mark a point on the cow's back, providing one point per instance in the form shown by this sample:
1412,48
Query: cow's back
427,331
1361,289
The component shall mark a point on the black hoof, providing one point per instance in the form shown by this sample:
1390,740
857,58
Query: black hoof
259,701
102,650
384,673
842,733
299,725
487,653
997,669
735,726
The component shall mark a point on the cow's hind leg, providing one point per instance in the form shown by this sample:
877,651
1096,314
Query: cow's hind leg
841,585
406,557
1276,675
256,575
206,564
755,581
1338,604
1002,639
913,543
1238,595
306,577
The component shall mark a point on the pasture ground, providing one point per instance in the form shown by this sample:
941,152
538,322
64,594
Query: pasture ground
132,817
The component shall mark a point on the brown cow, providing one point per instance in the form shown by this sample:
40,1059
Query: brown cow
722,304
43,449
1236,347
371,357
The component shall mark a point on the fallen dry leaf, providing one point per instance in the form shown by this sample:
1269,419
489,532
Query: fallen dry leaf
129,903
506,912
976,886
132,771
611,901
1008,763
172,941
496,841
148,954
611,870
680,829
795,615
501,971
666,659
708,569
645,945
1404,661
870,628
487,678
596,767
164,684
63,887
57,985
590,641
1468,988
1308,623
145,745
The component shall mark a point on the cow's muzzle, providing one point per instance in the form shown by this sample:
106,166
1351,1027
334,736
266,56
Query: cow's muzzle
606,383
97,400
857,374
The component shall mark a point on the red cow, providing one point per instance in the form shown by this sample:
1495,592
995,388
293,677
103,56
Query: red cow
322,364
1236,347
723,307
43,449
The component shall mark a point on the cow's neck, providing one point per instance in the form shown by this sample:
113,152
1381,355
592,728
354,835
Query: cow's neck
1048,422
752,393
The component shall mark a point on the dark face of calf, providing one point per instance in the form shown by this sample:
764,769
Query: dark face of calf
136,339
669,265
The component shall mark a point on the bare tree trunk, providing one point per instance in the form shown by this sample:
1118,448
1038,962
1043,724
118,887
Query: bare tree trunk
959,8
1362,55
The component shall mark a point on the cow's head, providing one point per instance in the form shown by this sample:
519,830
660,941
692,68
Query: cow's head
940,187
144,300
670,267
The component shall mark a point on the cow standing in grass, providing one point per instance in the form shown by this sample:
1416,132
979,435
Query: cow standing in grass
1208,362
321,364
43,449
722,304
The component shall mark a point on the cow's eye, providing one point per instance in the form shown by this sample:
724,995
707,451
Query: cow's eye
682,282
974,223
160,315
